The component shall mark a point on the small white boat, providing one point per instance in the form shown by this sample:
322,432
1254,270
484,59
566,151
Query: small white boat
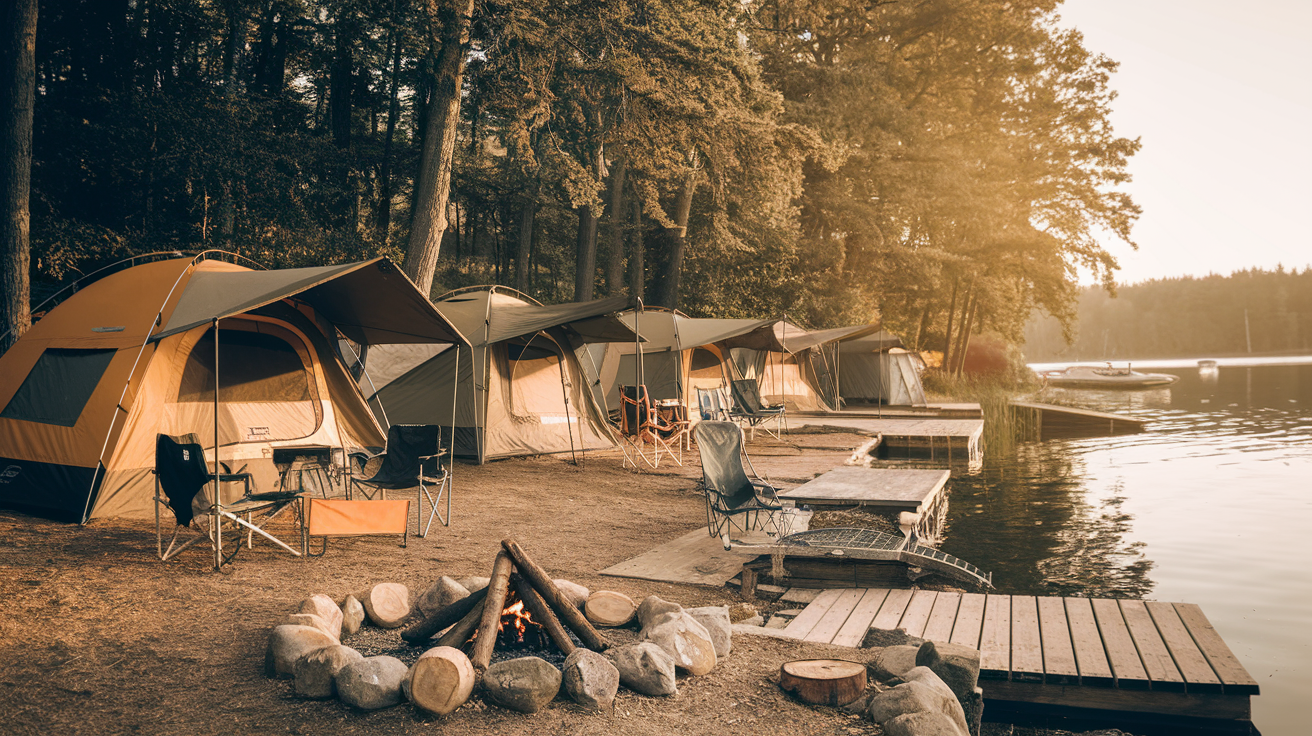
1083,376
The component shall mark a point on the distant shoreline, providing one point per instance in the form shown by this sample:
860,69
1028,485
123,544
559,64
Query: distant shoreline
1232,361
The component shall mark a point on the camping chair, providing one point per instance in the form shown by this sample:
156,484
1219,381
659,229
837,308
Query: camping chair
354,518
180,472
410,460
748,407
711,404
733,499
641,422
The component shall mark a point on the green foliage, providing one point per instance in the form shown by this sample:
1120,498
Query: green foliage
1185,318
849,161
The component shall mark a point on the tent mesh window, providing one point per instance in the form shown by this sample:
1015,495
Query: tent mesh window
59,386
256,368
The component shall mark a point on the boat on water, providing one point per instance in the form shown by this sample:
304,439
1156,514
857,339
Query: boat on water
1084,376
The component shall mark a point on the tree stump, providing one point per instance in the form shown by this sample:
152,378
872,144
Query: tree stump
823,681
442,680
608,608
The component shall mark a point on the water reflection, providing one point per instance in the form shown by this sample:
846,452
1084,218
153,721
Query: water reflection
1210,505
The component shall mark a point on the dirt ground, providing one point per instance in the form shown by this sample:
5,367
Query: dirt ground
98,636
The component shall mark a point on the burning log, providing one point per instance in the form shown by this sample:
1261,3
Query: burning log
493,605
457,635
541,613
544,585
428,626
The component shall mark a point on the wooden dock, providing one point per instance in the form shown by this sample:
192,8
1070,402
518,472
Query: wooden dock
1048,421
939,441
1151,662
891,490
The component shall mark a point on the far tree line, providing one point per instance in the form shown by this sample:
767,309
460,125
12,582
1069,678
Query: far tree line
942,165
1253,311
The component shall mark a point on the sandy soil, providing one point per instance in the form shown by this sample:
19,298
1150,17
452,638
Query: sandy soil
98,636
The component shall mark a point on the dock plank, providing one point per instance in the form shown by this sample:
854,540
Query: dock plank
829,624
694,558
918,610
1152,650
1197,673
1090,656
970,618
1234,678
1058,652
1026,642
1127,667
799,627
897,488
995,637
854,630
890,614
942,617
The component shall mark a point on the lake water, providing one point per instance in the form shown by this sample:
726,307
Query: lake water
1211,505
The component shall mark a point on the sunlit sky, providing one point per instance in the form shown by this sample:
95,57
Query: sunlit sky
1220,92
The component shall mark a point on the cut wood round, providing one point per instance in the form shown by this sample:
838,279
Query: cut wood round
388,604
608,608
441,680
823,681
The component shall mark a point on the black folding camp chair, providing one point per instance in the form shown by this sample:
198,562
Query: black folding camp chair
733,498
750,408
181,473
411,460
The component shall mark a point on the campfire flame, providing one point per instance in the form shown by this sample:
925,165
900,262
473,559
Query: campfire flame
515,623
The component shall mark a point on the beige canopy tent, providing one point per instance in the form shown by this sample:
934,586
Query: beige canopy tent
522,389
678,354
876,369
796,368
132,355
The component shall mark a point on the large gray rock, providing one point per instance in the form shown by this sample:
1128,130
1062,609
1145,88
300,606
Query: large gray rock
922,692
309,619
315,672
651,607
322,606
718,625
473,583
892,662
372,682
573,592
973,707
352,615
590,679
439,595
525,684
288,643
644,668
956,665
684,639
921,724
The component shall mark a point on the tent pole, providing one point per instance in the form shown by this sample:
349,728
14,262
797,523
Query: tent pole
451,461
216,509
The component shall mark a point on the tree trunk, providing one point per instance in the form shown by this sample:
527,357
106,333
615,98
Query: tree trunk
667,295
637,270
947,338
968,304
450,19
925,314
965,336
16,102
339,84
615,241
527,217
384,225
585,263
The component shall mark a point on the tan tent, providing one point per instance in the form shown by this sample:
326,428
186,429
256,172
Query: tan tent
679,354
875,369
797,367
521,390
132,355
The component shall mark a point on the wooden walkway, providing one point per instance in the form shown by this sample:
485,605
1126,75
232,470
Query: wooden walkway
1094,654
908,438
894,489
1048,421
